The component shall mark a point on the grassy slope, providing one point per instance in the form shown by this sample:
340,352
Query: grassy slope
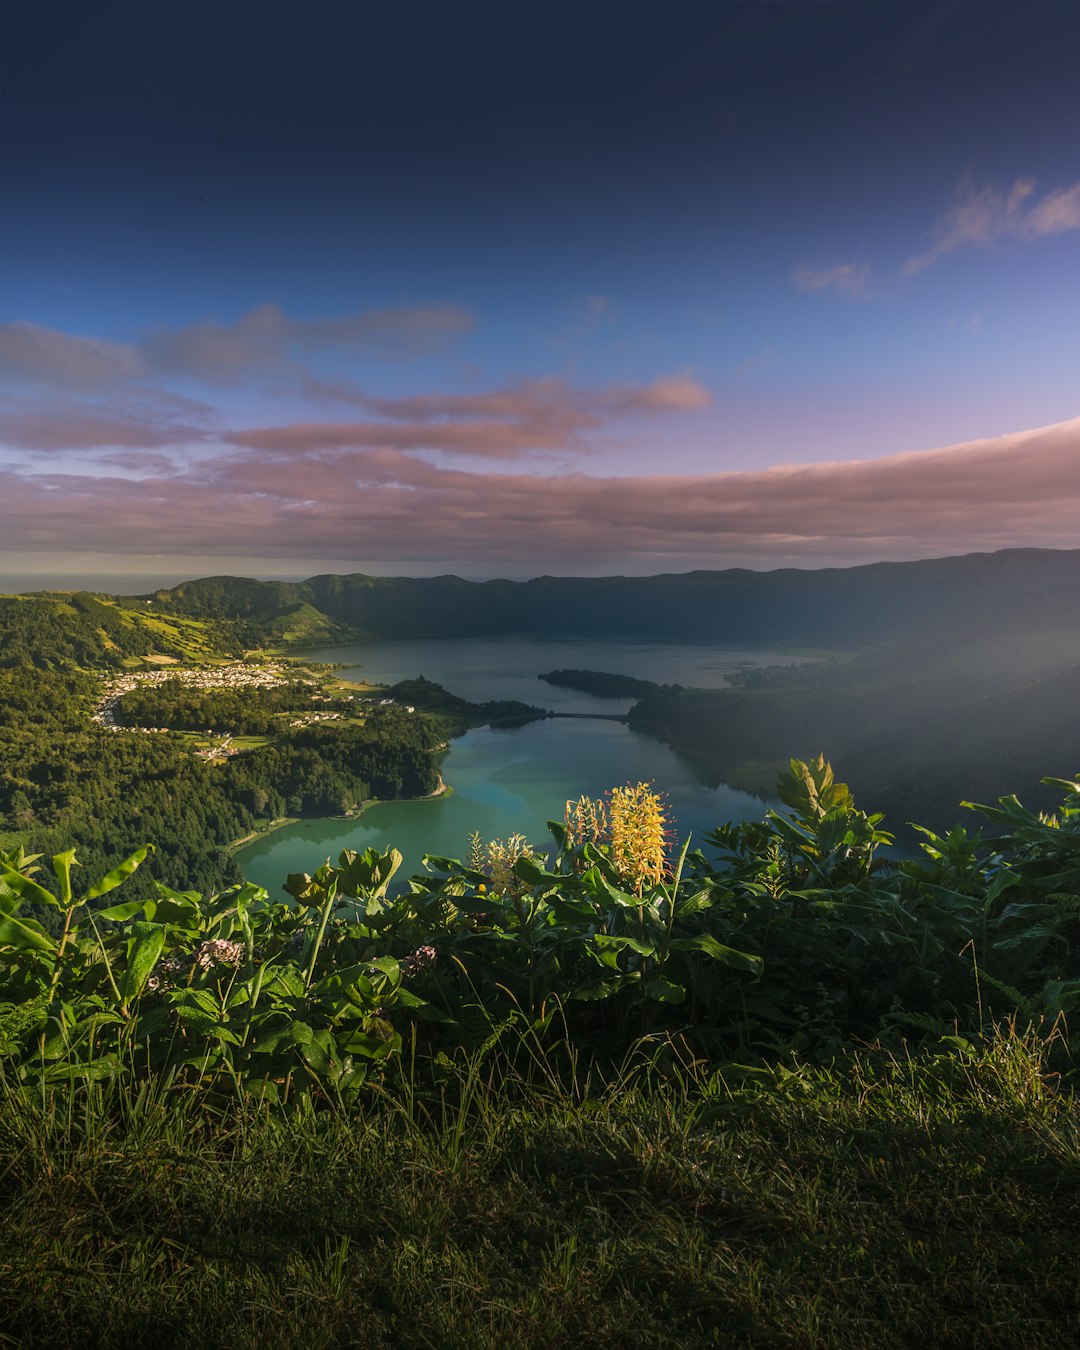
901,1204
136,630
145,631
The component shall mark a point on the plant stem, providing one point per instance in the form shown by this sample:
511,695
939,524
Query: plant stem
331,893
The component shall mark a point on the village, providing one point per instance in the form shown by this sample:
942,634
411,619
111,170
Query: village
235,676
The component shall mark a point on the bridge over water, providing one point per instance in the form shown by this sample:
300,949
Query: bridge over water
543,716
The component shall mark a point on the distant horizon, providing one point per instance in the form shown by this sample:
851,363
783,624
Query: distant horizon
95,582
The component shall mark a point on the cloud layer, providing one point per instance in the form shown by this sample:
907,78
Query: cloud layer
389,504
106,457
534,416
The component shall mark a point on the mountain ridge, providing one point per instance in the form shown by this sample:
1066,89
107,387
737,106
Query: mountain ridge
865,603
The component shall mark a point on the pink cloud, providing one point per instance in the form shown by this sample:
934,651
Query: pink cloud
1058,212
266,337
670,393
406,330
550,399
545,415
90,428
263,340
850,278
1022,489
30,352
221,353
982,216
138,461
529,399
489,440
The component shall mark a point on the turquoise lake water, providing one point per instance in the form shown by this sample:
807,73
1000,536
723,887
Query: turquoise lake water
510,780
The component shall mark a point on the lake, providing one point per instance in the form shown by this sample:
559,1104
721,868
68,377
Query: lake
509,780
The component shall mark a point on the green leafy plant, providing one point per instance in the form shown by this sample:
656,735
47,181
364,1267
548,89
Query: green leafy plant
796,934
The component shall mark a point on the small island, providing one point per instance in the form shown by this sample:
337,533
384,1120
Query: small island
604,684
459,713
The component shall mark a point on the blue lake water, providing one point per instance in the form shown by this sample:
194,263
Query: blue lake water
509,780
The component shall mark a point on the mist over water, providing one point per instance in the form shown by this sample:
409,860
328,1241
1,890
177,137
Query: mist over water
508,667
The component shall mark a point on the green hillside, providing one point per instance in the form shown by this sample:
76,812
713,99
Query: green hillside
79,631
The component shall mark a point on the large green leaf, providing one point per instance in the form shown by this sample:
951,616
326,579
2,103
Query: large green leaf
700,900
388,965
531,871
24,935
26,888
197,1009
121,913
367,1046
622,942
663,991
347,977
181,910
198,1019
367,874
119,874
62,865
476,904
299,1033
144,948
319,1051
106,1066
706,943
605,988
428,1012
596,884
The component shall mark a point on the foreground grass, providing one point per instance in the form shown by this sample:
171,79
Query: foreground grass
890,1203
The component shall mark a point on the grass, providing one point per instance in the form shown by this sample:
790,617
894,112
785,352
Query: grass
190,637
890,1202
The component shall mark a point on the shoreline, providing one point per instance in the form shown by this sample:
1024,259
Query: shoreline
269,828
443,789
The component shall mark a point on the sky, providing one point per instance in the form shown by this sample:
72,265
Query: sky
510,289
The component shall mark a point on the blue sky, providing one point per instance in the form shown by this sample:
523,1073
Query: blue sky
521,288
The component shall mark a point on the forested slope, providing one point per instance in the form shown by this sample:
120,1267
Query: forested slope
64,779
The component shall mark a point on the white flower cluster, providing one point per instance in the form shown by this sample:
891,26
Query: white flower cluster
218,952
167,974
208,955
418,961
